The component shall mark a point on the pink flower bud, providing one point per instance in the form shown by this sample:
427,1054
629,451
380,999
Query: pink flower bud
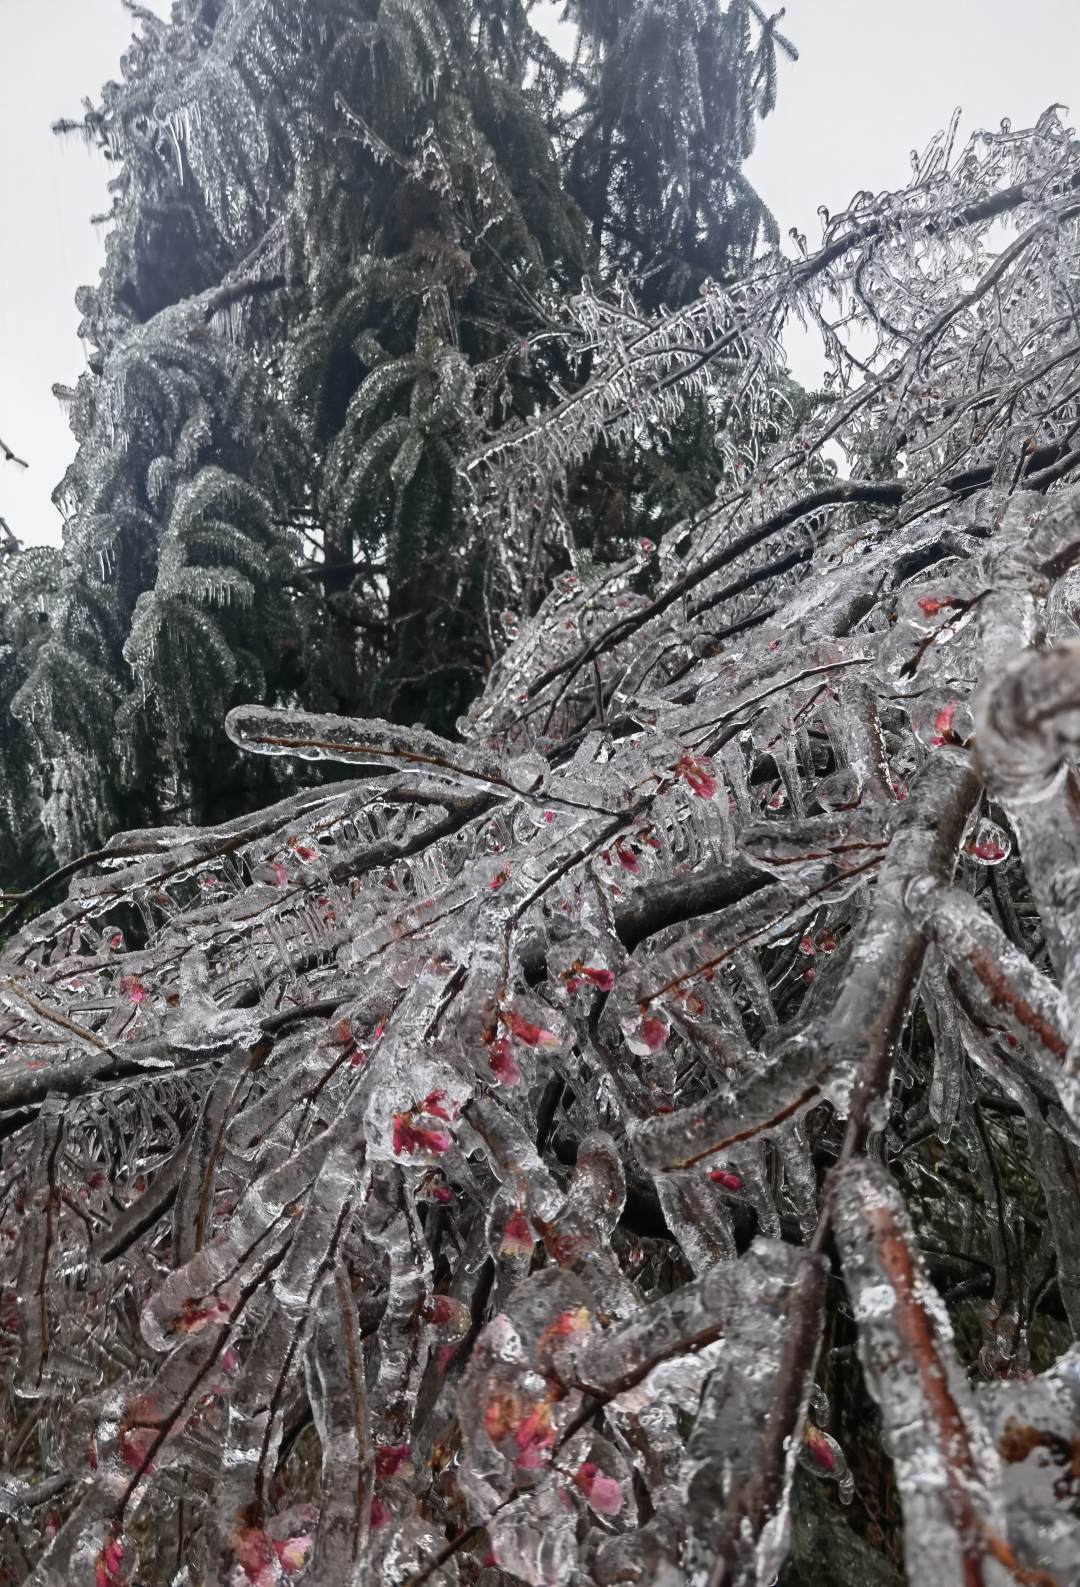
603,1493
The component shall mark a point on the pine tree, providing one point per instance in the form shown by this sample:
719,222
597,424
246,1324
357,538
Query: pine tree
669,92
342,240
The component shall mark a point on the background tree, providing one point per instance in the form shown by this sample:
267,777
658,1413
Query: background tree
512,1165
341,238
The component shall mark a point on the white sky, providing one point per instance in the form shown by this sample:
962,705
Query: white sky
875,79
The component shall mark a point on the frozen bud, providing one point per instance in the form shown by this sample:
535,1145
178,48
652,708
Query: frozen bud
534,1437
698,775
411,1138
604,1494
937,721
393,1459
517,1235
603,979
645,1035
989,844
501,1062
108,1565
526,1031
725,1179
132,988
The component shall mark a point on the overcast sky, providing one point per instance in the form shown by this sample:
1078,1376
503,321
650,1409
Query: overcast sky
876,78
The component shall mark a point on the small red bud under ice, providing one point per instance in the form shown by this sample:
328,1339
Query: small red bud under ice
722,1176
603,1493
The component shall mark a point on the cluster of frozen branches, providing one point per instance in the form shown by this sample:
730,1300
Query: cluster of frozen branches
447,1174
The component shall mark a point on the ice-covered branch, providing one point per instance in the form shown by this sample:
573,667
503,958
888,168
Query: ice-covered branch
433,1176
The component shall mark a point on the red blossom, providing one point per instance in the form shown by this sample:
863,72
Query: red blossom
412,1138
445,1310
534,1438
107,1564
626,857
654,1032
525,1031
380,1515
563,1248
502,1414
390,1459
943,728
499,878
132,988
602,979
196,1311
433,1104
818,1447
987,849
135,1445
517,1236
567,1325
697,775
603,1493
723,1177
502,1064
293,1551
930,607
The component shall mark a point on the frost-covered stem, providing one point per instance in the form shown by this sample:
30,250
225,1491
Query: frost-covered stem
1028,738
760,1501
866,1021
906,1347
886,493
999,975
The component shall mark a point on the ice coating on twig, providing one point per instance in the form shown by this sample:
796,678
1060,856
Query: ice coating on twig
427,1178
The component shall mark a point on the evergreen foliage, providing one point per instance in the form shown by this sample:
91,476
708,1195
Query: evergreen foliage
342,242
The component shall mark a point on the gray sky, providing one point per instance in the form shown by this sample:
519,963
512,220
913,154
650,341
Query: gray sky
876,78
52,53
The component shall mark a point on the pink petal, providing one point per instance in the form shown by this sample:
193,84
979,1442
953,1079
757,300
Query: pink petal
654,1032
